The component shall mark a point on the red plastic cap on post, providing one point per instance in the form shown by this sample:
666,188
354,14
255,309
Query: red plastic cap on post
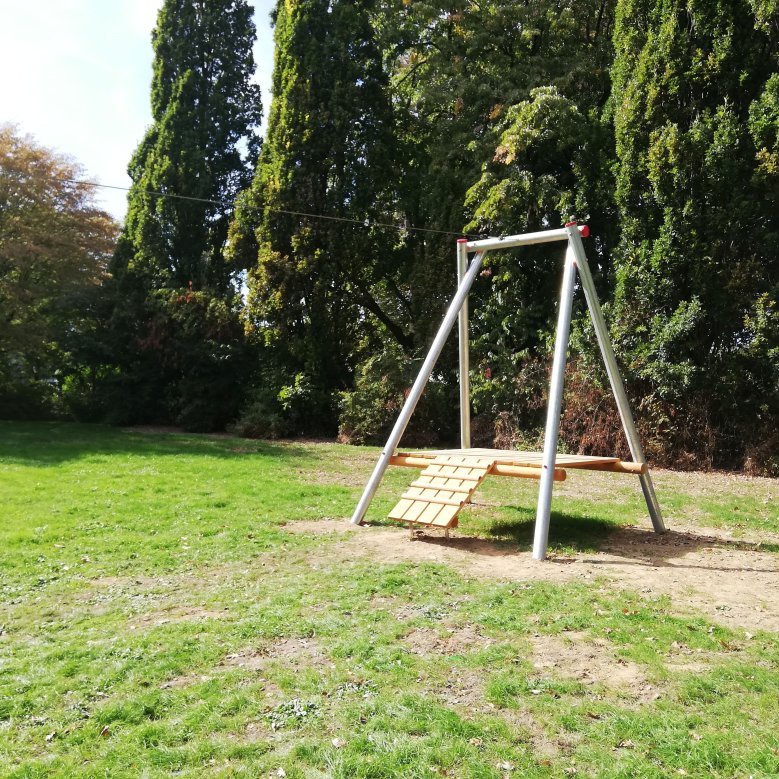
462,240
584,231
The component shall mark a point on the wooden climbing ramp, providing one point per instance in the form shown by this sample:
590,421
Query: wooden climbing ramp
450,477
441,490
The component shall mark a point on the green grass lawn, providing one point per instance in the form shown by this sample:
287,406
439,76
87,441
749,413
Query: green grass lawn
159,619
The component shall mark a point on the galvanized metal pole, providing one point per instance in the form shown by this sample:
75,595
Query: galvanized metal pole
617,387
416,390
544,507
524,239
465,380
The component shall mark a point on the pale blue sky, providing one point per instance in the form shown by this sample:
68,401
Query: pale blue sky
76,75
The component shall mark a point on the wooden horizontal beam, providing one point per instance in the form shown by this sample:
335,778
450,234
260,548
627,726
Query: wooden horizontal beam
617,467
516,471
524,472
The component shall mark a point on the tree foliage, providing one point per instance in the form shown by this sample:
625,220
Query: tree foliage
201,146
172,361
508,99
695,124
55,244
319,286
656,121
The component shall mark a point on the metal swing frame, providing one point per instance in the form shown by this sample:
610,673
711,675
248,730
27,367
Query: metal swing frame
575,261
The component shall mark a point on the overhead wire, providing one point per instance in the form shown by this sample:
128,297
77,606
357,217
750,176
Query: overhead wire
310,215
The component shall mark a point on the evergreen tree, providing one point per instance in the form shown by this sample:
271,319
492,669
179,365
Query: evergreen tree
202,145
695,114
175,332
321,290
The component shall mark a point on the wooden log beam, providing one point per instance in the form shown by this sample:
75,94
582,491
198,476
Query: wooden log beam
617,467
516,471
525,472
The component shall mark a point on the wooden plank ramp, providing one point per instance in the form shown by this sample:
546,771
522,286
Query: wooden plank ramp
442,489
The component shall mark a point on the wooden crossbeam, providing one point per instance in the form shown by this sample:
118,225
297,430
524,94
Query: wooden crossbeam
498,469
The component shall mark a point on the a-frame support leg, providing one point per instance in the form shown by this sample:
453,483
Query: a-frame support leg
617,387
543,510
575,258
418,388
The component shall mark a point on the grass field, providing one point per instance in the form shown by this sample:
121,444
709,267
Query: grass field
180,605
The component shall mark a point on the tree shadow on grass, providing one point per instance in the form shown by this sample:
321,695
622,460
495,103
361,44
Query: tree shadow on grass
52,443
566,532
642,546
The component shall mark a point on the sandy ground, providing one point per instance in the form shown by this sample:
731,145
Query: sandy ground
730,581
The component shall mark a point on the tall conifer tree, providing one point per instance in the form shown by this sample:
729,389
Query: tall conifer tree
202,144
321,287
175,336
697,270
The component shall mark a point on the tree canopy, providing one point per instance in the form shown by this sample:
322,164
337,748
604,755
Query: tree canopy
293,286
201,146
55,245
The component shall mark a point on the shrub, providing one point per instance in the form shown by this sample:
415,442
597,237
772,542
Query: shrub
382,382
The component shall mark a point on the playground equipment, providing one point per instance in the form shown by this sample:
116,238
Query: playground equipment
450,477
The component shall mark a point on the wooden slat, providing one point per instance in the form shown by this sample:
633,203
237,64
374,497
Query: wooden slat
446,516
434,499
432,511
400,509
415,493
413,511
442,483
452,472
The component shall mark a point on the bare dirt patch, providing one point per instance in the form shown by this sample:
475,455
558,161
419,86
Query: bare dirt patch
684,659
319,527
292,651
452,641
531,732
185,680
464,688
573,655
731,581
128,582
176,615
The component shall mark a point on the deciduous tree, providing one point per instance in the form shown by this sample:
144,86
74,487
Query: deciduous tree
55,244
